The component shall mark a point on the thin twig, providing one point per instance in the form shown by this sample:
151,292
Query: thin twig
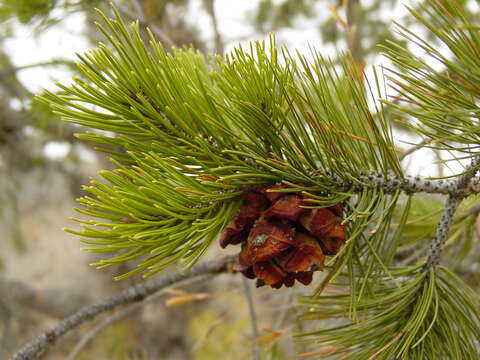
414,257
354,27
219,45
138,9
53,302
409,184
446,220
162,35
6,334
136,293
253,317
419,146
14,69
125,312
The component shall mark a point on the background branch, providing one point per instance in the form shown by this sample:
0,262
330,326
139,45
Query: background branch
125,312
253,317
38,347
162,36
54,302
210,8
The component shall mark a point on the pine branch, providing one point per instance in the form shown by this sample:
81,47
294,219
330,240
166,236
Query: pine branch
52,302
127,311
414,148
13,70
444,102
253,317
162,35
411,184
451,206
37,348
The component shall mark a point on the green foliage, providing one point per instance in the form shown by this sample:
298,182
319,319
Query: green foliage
194,135
421,223
188,136
26,10
440,86
273,16
411,315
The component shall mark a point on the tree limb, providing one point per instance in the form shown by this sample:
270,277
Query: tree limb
38,347
125,312
253,317
14,69
413,184
451,206
210,8
54,302
414,148
140,16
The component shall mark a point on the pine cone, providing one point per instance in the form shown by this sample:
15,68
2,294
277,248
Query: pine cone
281,240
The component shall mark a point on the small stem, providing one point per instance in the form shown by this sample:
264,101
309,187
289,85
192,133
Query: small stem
37,348
409,184
125,312
411,150
443,227
15,69
162,36
354,35
210,7
451,205
253,317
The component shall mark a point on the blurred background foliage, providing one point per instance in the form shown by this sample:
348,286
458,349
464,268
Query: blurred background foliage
34,181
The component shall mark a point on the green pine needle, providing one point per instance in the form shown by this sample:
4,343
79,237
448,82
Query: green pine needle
189,136
432,315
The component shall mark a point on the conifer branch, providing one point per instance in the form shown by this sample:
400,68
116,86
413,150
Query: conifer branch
127,311
413,184
38,347
253,317
414,148
451,206
140,16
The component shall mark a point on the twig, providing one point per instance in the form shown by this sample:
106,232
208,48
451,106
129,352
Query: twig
14,69
164,38
5,317
123,313
419,146
414,257
354,33
210,7
253,317
136,293
410,184
138,9
451,206
54,302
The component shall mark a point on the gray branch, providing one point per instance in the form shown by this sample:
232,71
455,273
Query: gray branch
54,302
140,16
414,184
127,311
460,184
414,148
137,293
253,317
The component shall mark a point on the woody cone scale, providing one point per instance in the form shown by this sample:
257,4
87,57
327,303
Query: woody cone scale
281,240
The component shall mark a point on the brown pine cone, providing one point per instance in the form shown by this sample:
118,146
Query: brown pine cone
282,241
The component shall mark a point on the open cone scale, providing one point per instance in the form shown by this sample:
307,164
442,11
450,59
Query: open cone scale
282,241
